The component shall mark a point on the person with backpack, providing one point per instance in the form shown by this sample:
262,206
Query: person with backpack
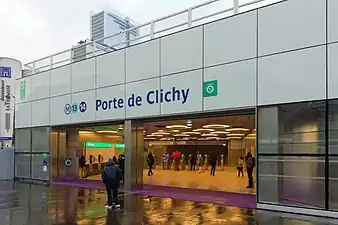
111,177
250,165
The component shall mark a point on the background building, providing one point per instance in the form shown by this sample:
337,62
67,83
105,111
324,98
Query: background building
104,24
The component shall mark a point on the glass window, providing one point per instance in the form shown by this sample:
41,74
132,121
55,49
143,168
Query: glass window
23,140
333,126
40,139
22,165
297,128
40,166
292,180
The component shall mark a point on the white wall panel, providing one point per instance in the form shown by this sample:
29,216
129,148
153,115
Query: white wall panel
22,95
40,85
236,85
57,110
40,112
140,90
332,20
143,61
23,115
181,93
60,81
290,25
83,75
108,105
293,76
85,106
111,69
182,51
231,39
332,71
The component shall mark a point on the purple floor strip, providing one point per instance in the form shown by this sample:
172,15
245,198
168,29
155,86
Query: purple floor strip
207,196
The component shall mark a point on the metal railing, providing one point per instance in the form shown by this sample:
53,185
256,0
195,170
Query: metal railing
194,16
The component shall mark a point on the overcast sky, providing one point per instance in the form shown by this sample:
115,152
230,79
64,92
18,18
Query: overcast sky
31,29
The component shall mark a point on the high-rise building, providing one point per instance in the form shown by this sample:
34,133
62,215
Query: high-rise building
104,24
110,22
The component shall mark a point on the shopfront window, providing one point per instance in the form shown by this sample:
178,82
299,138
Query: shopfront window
291,154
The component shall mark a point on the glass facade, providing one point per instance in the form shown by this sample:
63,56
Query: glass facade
32,153
298,154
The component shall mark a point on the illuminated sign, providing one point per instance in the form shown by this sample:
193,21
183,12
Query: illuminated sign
97,145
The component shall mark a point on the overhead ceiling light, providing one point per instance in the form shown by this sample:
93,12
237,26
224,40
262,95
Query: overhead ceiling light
85,132
192,133
235,135
237,129
175,131
252,135
121,127
212,138
177,127
220,132
231,138
221,139
216,126
183,139
107,131
193,138
166,139
161,133
154,135
181,135
209,135
203,130
148,138
202,139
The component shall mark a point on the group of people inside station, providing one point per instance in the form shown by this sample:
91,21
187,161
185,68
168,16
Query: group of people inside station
202,162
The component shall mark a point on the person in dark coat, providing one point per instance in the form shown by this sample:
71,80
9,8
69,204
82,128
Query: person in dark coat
193,163
121,165
82,163
150,161
111,177
213,163
250,165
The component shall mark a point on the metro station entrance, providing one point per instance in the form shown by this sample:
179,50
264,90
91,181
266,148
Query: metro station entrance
203,153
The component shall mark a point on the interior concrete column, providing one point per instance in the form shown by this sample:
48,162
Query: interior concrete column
133,137
235,149
72,150
268,134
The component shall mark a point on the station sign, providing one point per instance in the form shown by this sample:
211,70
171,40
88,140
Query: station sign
97,145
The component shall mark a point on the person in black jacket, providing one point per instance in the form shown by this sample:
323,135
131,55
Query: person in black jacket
82,163
121,165
150,161
111,177
213,163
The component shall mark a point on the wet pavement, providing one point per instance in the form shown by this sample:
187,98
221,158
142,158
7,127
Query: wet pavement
31,204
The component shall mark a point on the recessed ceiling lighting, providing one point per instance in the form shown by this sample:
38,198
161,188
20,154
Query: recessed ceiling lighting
175,131
154,135
181,135
220,132
177,127
235,135
85,132
216,126
230,138
209,135
107,131
202,139
148,138
192,133
237,129
203,130
161,133
166,139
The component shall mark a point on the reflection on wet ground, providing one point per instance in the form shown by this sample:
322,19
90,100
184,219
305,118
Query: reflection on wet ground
30,204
